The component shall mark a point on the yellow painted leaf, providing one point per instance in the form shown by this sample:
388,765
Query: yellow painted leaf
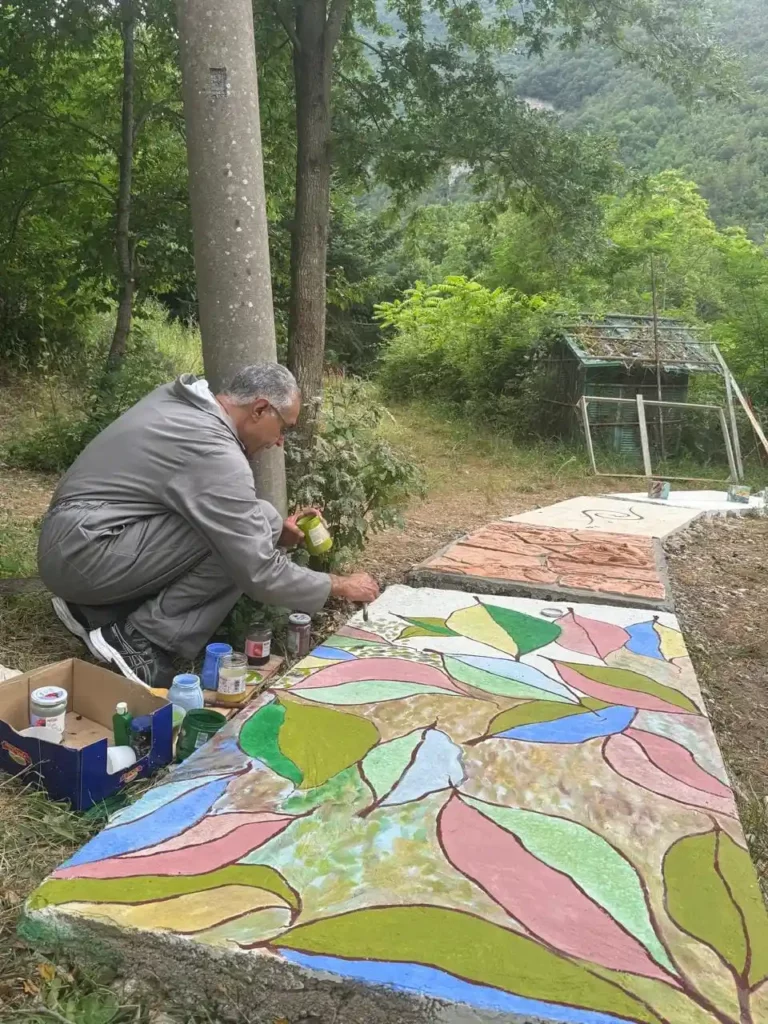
323,741
671,642
475,623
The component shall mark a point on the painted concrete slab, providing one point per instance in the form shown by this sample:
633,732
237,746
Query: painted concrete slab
711,502
610,515
467,809
516,559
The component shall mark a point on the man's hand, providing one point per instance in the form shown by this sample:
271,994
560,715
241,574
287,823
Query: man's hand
292,536
360,588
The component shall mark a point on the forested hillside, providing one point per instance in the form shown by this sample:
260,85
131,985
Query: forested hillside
723,147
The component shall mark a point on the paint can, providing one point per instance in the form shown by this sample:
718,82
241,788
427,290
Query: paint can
659,489
739,494
316,536
196,729
48,709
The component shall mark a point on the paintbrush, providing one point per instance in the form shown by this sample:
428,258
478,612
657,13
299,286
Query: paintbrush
365,613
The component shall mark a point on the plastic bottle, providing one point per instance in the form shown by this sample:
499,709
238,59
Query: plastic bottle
121,725
185,692
210,673
316,535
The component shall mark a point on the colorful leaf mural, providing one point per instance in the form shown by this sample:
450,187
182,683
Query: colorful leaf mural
468,812
712,895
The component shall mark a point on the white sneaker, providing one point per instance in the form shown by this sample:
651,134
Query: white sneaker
67,616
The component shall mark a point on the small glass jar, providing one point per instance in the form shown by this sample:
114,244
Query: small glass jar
48,708
141,735
186,692
258,643
233,673
298,638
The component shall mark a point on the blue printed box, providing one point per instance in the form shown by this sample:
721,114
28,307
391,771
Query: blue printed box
76,770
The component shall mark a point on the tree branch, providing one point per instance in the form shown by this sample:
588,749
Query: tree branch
333,25
285,20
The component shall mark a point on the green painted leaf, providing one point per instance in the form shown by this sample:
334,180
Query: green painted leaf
528,632
426,627
468,947
322,742
368,691
626,680
149,888
385,764
503,685
530,712
596,867
349,643
258,738
712,894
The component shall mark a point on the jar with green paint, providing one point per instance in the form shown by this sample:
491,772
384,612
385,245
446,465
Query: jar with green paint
196,729
316,535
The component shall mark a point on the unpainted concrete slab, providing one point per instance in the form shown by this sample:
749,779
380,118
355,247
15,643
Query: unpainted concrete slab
467,809
610,515
705,502
551,563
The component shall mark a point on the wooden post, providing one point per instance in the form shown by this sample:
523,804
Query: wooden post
588,432
644,436
734,428
744,403
728,447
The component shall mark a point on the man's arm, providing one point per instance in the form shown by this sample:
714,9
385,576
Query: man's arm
217,497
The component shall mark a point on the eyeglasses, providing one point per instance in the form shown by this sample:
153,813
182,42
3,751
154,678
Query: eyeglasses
285,428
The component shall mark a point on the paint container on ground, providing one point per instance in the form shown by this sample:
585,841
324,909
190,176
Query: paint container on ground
48,709
316,536
198,727
258,643
119,759
659,489
298,639
739,494
186,692
121,725
233,672
210,673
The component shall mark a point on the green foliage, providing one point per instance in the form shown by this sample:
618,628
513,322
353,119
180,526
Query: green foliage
158,350
349,471
459,341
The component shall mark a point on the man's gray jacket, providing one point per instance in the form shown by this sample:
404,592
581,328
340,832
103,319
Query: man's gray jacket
176,451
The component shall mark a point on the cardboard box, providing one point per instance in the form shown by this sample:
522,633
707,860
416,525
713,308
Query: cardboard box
76,770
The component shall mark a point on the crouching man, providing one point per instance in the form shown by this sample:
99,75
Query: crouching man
156,529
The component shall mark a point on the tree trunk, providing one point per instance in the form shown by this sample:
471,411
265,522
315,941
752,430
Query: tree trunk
316,38
124,246
229,209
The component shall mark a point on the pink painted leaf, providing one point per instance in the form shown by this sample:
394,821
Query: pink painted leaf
630,759
590,636
198,859
678,762
546,901
361,634
399,670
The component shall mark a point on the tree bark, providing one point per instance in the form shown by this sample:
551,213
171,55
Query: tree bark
124,245
229,211
317,33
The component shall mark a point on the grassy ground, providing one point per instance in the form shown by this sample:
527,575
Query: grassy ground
472,476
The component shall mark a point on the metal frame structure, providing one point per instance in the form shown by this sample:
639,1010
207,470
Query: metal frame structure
734,466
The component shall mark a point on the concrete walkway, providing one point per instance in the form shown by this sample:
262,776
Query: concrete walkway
470,808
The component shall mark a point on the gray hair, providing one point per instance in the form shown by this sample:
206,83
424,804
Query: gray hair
270,381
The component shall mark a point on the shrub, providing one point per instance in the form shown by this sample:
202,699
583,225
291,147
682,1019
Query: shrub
463,343
349,471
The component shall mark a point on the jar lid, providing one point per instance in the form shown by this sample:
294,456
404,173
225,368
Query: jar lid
186,679
142,724
219,649
47,696
300,619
